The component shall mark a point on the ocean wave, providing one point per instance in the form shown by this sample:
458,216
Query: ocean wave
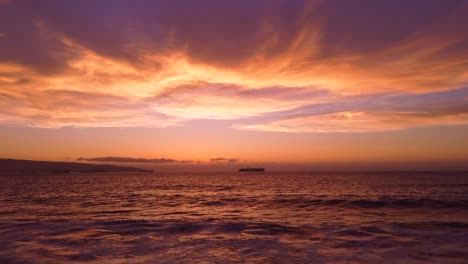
279,218
375,203
138,241
433,225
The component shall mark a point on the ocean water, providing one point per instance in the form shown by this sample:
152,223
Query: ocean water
310,217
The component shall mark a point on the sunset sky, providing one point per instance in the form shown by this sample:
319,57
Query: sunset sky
307,84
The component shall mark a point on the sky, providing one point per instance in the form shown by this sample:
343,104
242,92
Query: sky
287,84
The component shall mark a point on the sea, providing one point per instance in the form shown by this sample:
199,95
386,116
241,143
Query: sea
271,217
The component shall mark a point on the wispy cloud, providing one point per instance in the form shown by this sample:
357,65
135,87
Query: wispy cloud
127,160
318,72
381,112
224,160
357,122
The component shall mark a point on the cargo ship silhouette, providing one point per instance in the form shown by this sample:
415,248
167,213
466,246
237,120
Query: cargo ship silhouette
251,169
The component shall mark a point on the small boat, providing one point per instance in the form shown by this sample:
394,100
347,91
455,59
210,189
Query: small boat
251,169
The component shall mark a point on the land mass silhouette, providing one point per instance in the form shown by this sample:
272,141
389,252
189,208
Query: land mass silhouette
31,166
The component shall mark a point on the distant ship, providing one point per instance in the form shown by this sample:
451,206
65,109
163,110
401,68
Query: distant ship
251,169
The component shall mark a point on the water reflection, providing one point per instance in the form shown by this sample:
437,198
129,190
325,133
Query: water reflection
263,218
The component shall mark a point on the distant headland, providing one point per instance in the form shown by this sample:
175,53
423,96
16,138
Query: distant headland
31,166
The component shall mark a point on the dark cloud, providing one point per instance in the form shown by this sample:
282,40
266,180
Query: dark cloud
224,160
127,160
221,33
369,25
28,41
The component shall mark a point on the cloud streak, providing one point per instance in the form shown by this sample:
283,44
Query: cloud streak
127,160
380,112
224,160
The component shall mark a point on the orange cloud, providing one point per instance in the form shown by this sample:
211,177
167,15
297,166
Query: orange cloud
131,77
343,122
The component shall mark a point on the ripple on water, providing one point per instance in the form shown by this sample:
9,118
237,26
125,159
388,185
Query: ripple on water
274,218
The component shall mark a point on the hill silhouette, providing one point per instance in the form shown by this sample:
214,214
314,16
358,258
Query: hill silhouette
15,165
